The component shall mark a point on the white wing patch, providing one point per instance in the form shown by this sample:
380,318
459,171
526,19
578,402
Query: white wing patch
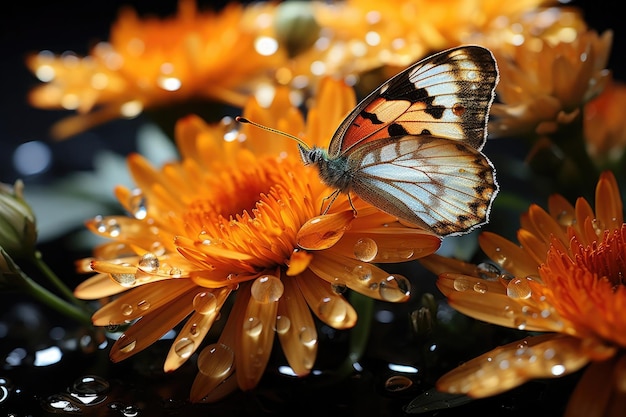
440,184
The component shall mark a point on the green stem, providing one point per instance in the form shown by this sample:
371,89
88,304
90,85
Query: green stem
58,283
57,303
359,334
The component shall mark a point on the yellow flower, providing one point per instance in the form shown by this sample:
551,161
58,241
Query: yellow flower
565,279
239,214
605,126
150,62
550,66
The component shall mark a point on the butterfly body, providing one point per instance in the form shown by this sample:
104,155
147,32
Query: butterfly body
412,148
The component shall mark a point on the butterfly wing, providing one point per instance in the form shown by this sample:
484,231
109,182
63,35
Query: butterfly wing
443,185
446,95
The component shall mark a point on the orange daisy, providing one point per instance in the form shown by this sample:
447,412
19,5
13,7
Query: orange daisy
150,62
566,279
238,218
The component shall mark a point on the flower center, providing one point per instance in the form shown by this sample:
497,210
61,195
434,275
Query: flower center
606,259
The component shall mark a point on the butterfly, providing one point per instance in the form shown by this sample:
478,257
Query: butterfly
412,147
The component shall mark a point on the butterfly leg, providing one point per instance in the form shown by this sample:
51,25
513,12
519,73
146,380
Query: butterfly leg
331,199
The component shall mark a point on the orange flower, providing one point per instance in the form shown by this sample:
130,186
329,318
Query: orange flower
151,62
566,278
550,66
241,217
604,125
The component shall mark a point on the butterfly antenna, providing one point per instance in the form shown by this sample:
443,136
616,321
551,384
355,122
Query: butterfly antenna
272,130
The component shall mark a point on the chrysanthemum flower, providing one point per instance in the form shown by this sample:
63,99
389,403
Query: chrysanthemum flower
566,279
240,215
604,125
550,66
150,62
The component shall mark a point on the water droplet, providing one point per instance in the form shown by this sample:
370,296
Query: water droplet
267,289
107,226
149,263
184,347
488,271
216,360
125,280
480,287
90,389
175,272
398,383
283,324
253,326
61,403
462,284
519,288
362,272
205,302
308,336
519,323
365,249
128,346
130,411
143,305
137,205
333,310
566,218
395,288
338,288
127,309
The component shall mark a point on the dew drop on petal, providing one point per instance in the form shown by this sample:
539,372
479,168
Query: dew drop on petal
333,310
108,227
518,288
283,324
365,249
128,346
137,205
149,262
205,302
566,218
216,360
125,280
184,347
267,289
308,336
362,272
462,284
253,326
398,383
143,305
488,271
480,287
338,288
127,309
395,288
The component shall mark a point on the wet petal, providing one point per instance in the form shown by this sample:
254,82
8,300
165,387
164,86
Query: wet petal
507,254
329,306
508,366
322,232
207,305
362,277
140,301
253,340
153,326
296,329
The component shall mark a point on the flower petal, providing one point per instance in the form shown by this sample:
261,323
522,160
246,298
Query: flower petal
296,329
208,305
153,326
322,232
141,301
327,305
254,339
508,366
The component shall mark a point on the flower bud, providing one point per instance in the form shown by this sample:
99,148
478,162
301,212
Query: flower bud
18,230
